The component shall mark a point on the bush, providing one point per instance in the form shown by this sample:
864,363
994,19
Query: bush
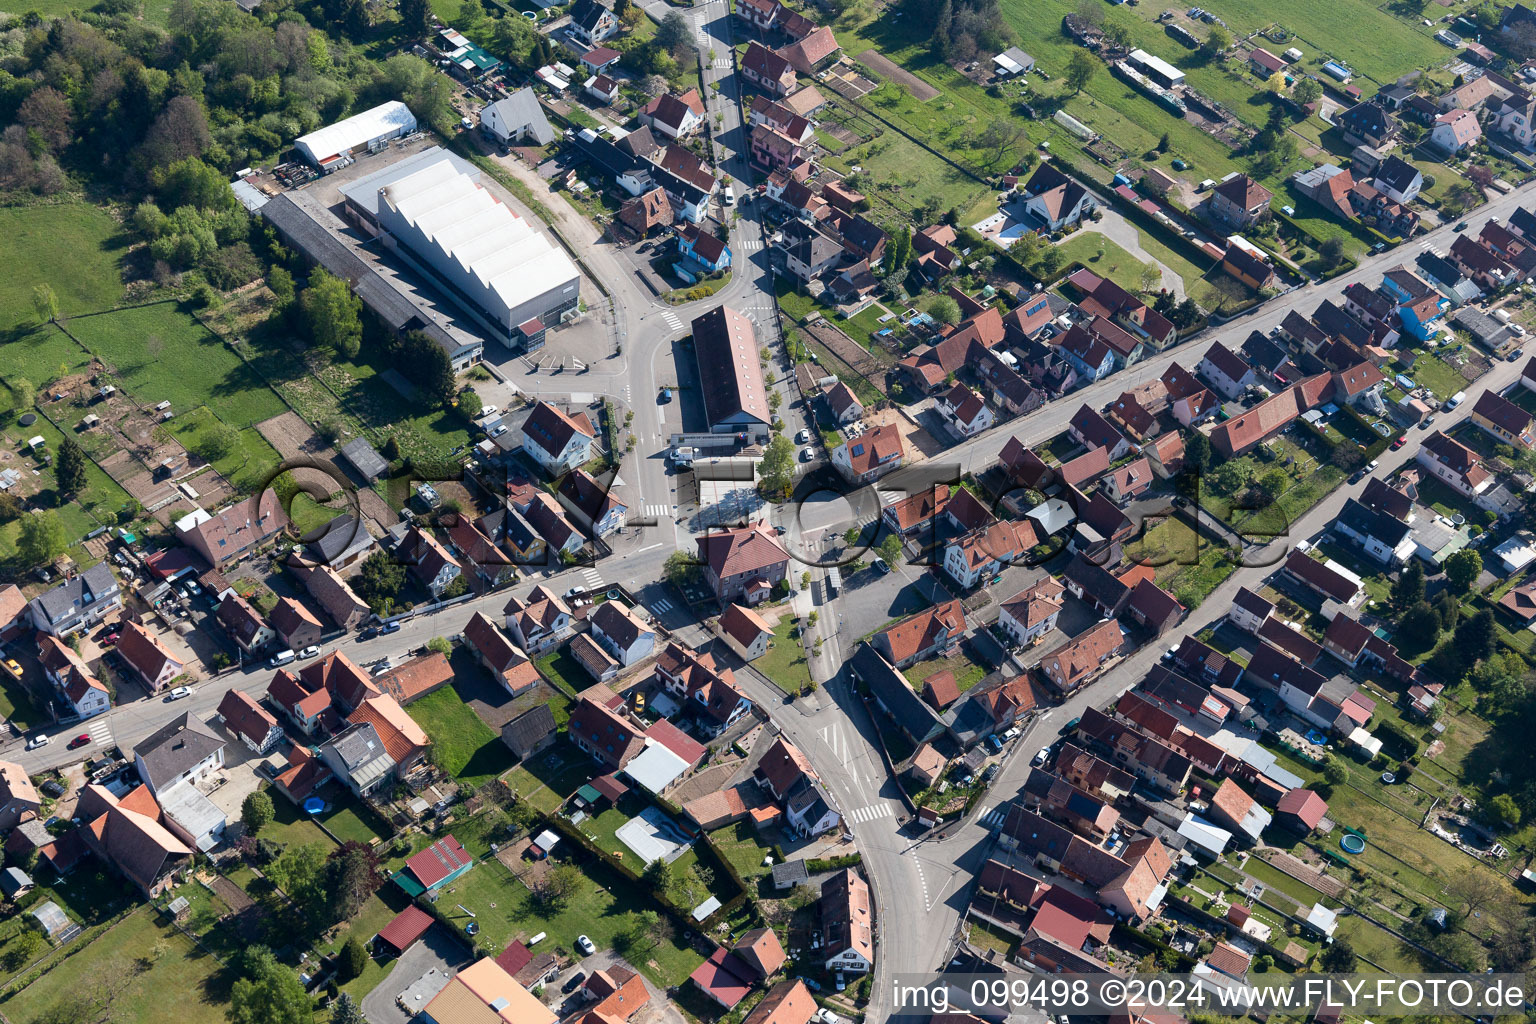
352,961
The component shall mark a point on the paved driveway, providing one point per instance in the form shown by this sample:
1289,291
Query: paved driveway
439,949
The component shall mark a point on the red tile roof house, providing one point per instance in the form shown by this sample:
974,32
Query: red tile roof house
603,733
1239,200
537,622
1231,807
1129,481
506,662
847,927
132,835
296,627
1301,810
1328,579
782,767
966,411
1084,657
430,562
723,978
226,537
154,666
811,54
243,623
922,635
1032,612
248,720
908,515
1153,607
767,70
748,633
744,563
558,441
704,686
675,117
971,559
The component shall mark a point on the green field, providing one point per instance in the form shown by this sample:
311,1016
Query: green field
600,908
1274,878
99,502
466,747
161,354
1117,264
71,246
182,986
1186,566
39,355
784,661
250,462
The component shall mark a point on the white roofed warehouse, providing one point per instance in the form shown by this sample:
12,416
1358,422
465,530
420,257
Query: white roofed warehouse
435,214
331,148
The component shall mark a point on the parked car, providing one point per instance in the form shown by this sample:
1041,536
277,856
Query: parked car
309,652
1070,726
37,741
179,692
803,436
585,945
13,667
882,565
1040,758
388,628
80,741
573,982
807,454
369,633
281,658
990,773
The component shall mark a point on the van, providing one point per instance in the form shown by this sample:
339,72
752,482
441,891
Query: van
730,196
282,658
1455,399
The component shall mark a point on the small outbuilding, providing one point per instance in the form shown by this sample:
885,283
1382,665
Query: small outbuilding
365,458
403,932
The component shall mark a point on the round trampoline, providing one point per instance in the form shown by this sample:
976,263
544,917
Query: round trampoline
1352,843
473,928
27,419
314,805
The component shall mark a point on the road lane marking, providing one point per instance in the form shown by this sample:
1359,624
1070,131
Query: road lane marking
651,548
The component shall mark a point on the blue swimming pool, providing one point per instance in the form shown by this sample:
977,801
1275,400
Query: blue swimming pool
1314,736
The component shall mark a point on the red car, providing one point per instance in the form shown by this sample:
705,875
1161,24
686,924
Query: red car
80,741
1399,443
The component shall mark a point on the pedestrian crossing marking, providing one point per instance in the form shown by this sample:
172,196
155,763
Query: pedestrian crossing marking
655,511
722,62
672,321
593,578
870,813
991,818
662,605
101,734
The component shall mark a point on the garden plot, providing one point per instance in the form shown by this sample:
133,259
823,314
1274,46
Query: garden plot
888,69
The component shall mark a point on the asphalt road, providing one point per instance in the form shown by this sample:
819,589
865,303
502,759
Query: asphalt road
920,885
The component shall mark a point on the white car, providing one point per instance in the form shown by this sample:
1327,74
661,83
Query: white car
807,454
1371,466
501,428
802,437
1040,758
575,591
179,692
309,652
37,741
585,945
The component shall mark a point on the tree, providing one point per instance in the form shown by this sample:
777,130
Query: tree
1216,42
281,284
679,568
776,470
352,961
47,115
1080,69
657,877
1462,569
1332,252
1504,811
429,368
379,580
1151,277
26,947
1408,590
1474,637
42,538
1090,13
890,550
470,405
268,992
1339,958
346,1011
945,310
1231,476
1447,610
257,812
440,644
92,1007
1420,625
673,34
939,44
23,394
332,314
69,468
1273,484
415,16
1334,772
300,872
1308,90
555,889
217,442
899,252
1197,451
45,303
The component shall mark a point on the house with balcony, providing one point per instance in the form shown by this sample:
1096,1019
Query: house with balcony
871,455
537,622
78,603
966,411
1054,200
558,441
1505,421
86,696
1031,613
700,254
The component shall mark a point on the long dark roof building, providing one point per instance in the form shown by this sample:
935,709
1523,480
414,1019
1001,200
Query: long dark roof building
730,372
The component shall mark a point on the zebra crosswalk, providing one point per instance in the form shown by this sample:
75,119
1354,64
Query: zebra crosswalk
751,245
871,813
661,605
594,579
991,818
658,511
101,733
673,320
721,63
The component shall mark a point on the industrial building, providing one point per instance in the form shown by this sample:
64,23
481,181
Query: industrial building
1157,69
735,400
432,211
332,147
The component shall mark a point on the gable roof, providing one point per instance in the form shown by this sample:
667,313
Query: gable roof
552,429
176,747
743,624
1241,189
725,347
403,739
920,631
741,550
246,718
141,650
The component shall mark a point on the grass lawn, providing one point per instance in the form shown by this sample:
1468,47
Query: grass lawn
248,463
349,820
550,776
1376,44
1440,377
564,671
376,913
743,847
1187,566
1274,878
39,355
467,748
1379,947
16,704
967,672
1117,264
291,825
784,662
161,354
600,908
184,986
73,247
99,502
